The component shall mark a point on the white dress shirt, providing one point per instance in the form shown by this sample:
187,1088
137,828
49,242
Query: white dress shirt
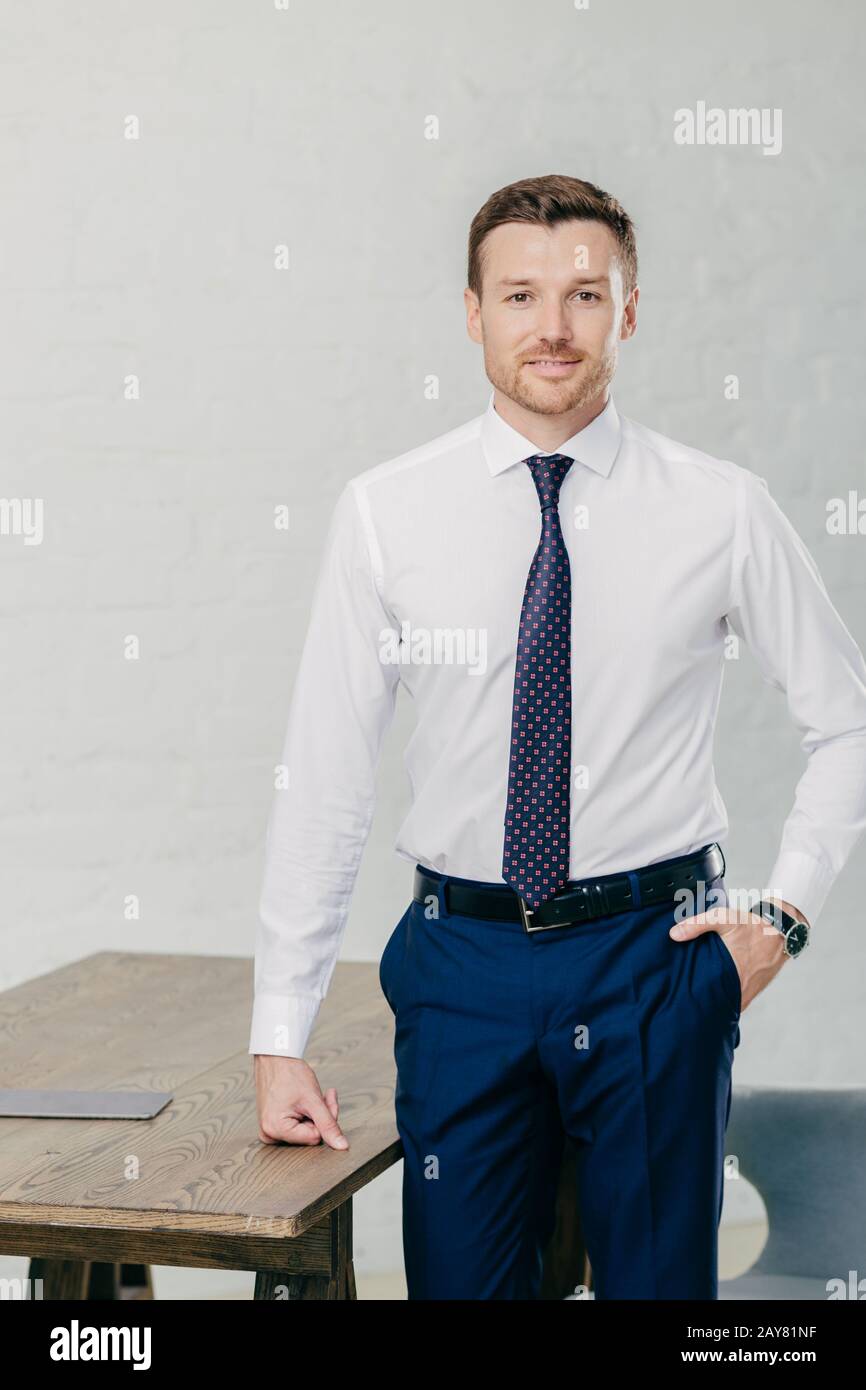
670,550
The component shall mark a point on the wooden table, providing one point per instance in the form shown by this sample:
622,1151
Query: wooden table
95,1203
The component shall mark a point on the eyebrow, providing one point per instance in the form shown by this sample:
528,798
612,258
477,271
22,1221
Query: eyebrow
585,280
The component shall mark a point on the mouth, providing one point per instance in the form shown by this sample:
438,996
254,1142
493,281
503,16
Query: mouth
553,366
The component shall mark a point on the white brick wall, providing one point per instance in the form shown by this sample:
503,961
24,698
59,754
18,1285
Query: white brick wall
154,257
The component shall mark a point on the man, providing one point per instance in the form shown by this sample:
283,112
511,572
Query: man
557,587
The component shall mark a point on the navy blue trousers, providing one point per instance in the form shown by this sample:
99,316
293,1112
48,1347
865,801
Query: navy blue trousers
609,1031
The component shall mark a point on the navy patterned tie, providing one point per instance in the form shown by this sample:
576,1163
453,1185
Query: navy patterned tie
537,821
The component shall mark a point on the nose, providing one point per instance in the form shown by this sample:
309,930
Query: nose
552,326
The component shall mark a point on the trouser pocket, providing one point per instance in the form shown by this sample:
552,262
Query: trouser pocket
730,974
390,966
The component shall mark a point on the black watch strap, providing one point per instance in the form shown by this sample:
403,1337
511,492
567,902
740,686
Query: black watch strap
795,932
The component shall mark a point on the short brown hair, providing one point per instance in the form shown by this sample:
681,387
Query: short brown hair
549,199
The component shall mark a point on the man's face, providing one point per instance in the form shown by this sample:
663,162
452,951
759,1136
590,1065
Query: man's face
552,313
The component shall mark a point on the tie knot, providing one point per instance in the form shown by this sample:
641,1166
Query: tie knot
548,472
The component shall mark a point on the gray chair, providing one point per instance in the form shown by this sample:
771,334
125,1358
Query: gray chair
804,1149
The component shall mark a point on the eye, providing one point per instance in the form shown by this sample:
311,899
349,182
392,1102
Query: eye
587,296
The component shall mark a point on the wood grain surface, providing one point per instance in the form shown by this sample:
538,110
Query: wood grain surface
198,1170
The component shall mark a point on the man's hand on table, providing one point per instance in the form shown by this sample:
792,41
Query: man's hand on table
291,1107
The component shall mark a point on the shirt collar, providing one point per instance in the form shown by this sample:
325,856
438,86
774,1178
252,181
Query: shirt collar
596,445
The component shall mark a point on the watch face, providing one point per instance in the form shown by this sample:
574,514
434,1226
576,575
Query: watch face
797,938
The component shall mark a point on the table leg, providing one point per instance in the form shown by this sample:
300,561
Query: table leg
62,1280
294,1284
92,1280
566,1262
135,1283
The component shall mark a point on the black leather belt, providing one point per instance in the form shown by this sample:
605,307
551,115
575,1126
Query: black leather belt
580,900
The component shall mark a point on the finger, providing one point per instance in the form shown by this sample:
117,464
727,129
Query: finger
690,927
327,1125
290,1129
332,1102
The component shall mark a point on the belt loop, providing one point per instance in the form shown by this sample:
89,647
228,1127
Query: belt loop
635,888
441,885
600,899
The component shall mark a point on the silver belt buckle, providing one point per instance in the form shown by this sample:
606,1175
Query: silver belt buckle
526,912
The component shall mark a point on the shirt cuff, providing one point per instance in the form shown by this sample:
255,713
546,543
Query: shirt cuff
282,1024
801,880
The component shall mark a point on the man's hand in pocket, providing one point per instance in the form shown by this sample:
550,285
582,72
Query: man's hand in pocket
757,948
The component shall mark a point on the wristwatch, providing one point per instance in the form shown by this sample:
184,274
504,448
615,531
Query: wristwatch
796,933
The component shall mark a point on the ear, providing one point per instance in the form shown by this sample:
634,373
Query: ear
629,315
473,315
